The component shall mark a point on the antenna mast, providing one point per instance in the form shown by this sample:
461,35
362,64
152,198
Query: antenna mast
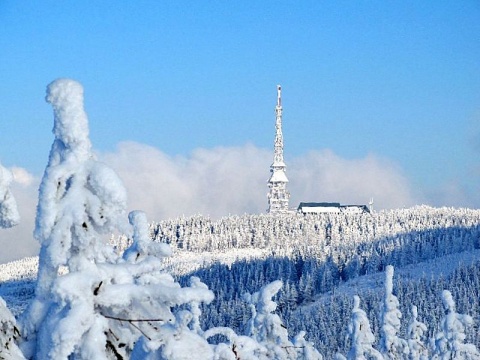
278,195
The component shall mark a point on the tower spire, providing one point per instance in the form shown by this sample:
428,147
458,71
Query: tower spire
278,195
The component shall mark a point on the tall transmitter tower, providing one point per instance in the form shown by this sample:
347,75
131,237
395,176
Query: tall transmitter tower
278,195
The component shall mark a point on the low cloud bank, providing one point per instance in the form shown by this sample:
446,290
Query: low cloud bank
324,176
215,182
233,180
227,180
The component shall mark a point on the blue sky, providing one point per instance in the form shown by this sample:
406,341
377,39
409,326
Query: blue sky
399,80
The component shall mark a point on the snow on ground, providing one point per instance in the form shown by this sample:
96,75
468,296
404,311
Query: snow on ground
185,262
431,269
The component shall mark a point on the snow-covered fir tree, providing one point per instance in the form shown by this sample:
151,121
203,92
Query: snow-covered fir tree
360,335
266,327
9,215
449,341
416,334
104,303
390,344
266,337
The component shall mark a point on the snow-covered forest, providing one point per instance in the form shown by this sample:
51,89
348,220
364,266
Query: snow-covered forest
397,284
326,259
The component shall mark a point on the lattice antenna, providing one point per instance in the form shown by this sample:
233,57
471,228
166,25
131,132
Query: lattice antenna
278,196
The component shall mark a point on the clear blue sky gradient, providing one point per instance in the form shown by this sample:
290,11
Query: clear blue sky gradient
397,79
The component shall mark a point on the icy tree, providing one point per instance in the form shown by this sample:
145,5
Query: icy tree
144,297
9,334
79,199
449,342
266,337
390,345
305,349
91,303
266,327
416,336
8,217
8,207
360,335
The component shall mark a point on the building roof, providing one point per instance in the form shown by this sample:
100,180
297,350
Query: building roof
318,204
330,207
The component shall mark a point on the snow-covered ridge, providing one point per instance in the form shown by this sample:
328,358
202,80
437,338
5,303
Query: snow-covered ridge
199,241
25,268
312,231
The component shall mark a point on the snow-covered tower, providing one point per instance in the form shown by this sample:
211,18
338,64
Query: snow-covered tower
278,195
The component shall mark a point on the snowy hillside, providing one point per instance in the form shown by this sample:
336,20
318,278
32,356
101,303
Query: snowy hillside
323,261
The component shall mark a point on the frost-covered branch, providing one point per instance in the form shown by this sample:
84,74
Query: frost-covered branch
9,334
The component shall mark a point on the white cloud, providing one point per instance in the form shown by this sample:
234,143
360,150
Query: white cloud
324,176
233,180
453,193
22,176
215,181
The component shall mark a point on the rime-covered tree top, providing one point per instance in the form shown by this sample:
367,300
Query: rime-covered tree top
75,188
8,207
70,120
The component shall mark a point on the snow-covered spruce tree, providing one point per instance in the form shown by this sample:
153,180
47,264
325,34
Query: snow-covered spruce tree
360,335
91,303
8,217
449,341
266,337
8,207
305,349
416,337
265,326
390,345
147,306
9,334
